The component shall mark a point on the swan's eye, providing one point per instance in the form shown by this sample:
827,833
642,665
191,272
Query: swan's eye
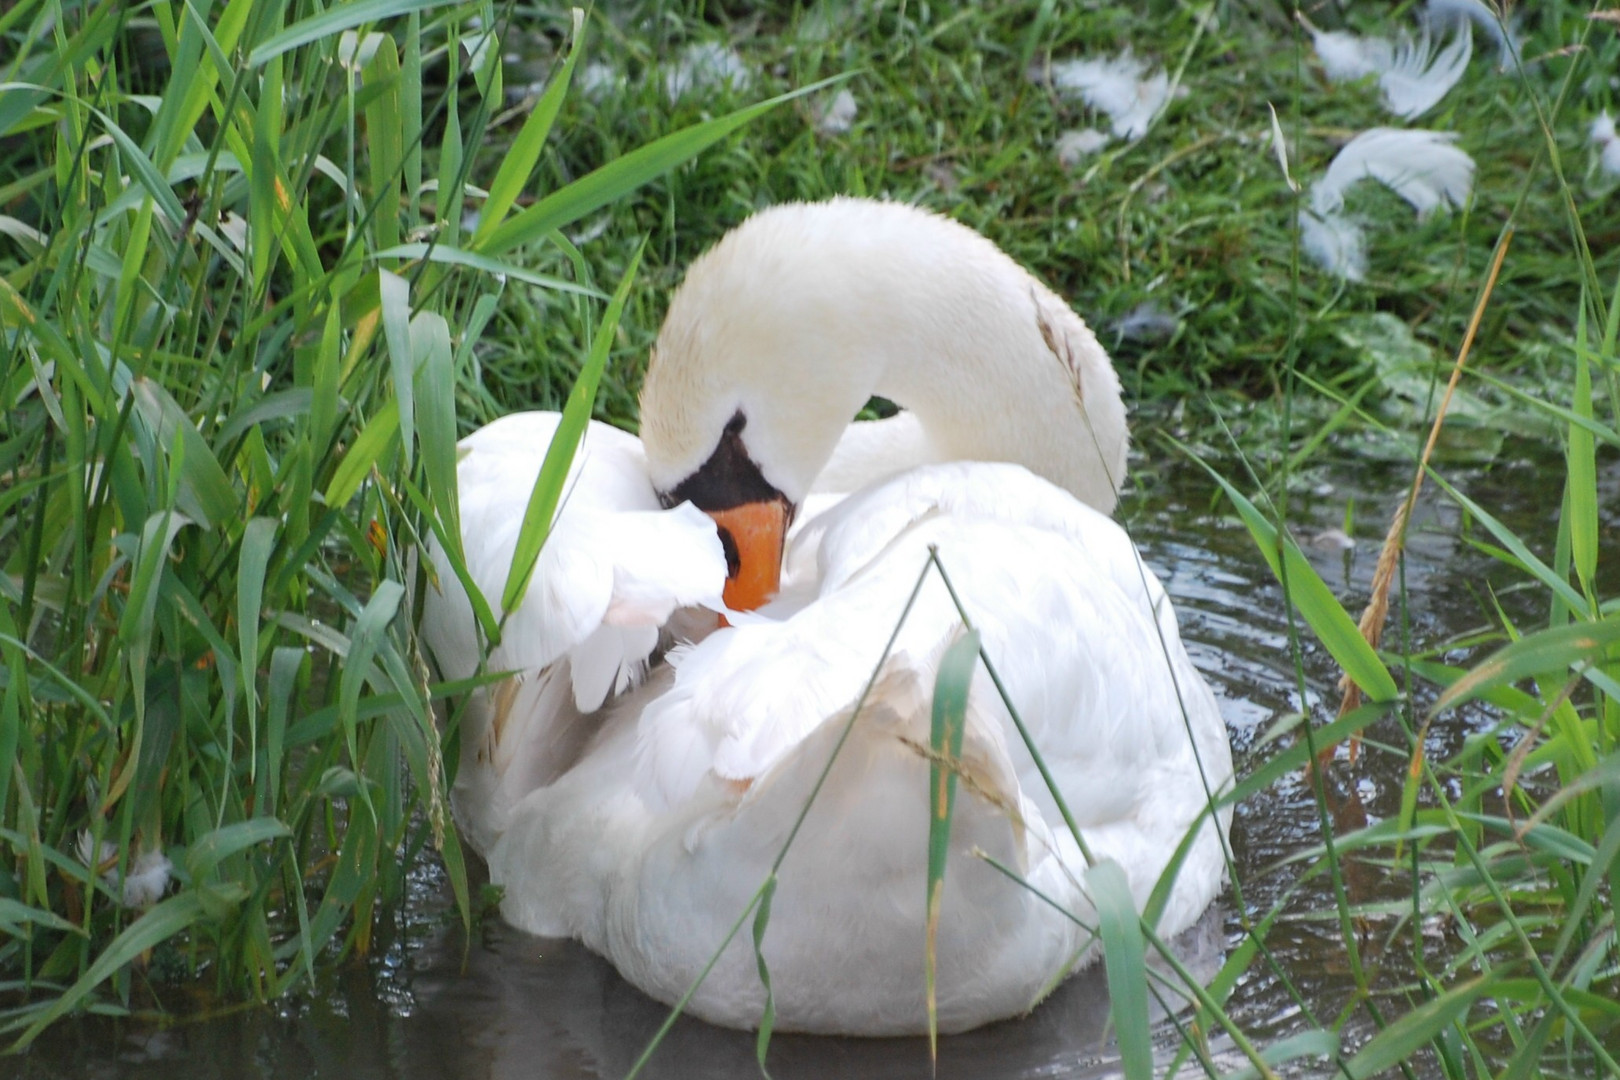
733,556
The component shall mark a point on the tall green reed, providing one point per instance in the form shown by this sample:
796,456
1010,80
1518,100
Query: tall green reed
237,299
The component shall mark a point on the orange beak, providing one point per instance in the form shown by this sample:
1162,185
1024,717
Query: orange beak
757,531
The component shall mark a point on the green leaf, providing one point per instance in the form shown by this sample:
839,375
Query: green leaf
1315,601
210,850
1506,537
548,485
385,140
160,923
396,320
339,17
1314,1043
356,465
1555,649
205,494
436,413
949,725
454,256
15,917
767,1018
1125,955
525,149
1405,1036
623,175
1581,455
258,542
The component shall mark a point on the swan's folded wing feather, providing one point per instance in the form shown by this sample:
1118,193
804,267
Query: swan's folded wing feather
612,570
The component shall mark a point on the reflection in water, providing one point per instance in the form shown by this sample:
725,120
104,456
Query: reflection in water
549,1010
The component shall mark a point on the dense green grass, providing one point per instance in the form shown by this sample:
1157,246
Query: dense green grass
239,345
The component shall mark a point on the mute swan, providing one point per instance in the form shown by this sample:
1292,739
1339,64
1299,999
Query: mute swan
640,810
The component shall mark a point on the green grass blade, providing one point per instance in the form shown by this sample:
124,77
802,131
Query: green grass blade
258,542
949,725
453,256
1314,1043
1515,546
332,21
1126,958
625,174
436,413
548,485
1581,456
1410,1033
162,922
366,452
385,140
525,150
395,294
1315,601
1555,649
767,1018
210,850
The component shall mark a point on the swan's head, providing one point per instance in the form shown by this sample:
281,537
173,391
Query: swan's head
787,326
757,370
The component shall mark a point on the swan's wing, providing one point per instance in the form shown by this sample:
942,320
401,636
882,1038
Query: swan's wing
1078,628
849,537
612,571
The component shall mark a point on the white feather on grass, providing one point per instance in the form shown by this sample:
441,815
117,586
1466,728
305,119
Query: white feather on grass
1606,143
1347,57
1075,146
707,65
1335,243
1120,88
1421,73
837,116
1422,167
1413,73
1508,39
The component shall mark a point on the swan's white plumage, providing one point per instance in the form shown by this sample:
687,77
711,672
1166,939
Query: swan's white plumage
645,827
724,756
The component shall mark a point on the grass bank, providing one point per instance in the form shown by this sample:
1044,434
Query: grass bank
262,263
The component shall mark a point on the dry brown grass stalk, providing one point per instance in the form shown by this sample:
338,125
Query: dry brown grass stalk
1377,610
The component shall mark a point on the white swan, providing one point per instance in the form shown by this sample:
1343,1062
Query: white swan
645,827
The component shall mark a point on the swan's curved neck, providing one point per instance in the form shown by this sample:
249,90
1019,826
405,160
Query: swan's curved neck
799,316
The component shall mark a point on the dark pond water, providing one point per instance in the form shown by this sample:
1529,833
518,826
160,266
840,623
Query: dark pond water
508,1005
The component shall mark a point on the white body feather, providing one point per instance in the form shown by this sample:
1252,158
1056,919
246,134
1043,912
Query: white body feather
1422,167
1449,13
656,842
1607,145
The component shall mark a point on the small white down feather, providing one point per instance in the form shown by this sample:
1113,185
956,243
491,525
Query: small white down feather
1422,167
1606,144
1121,88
